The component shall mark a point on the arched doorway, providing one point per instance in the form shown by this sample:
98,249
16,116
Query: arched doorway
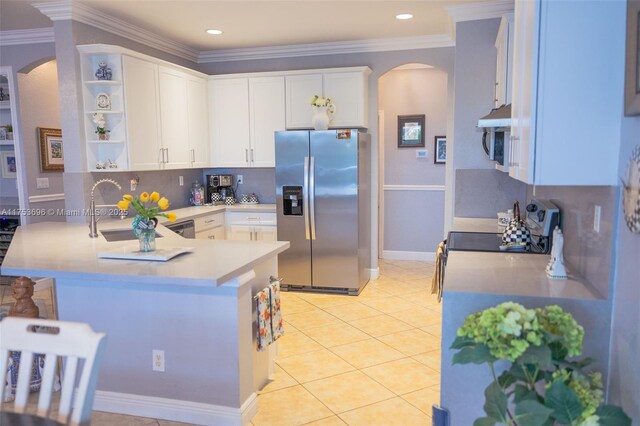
411,185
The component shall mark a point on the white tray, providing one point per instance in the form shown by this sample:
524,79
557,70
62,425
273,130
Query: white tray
133,253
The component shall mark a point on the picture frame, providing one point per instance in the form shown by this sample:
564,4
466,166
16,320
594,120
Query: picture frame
440,150
9,164
632,67
411,131
51,150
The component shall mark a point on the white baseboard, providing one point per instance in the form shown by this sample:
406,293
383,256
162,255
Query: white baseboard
374,273
175,410
408,255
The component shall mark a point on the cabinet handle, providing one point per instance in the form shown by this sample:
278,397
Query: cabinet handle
246,155
193,156
252,160
212,237
161,156
253,218
209,221
167,154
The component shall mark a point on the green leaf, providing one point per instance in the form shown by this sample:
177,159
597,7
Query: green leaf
506,379
558,351
538,355
496,403
564,402
532,413
522,393
478,354
462,341
610,415
484,421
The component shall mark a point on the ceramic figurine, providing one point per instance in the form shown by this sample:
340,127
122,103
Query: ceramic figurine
103,72
100,165
22,292
112,164
555,268
1,94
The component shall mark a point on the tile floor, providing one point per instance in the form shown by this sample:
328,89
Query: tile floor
368,360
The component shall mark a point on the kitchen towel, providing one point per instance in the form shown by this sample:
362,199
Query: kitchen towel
438,274
265,336
276,315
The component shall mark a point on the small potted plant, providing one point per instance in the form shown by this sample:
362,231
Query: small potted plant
148,207
9,128
100,122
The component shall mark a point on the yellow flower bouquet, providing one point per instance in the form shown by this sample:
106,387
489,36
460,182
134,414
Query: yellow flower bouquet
147,207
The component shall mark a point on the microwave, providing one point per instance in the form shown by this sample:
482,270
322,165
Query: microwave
495,144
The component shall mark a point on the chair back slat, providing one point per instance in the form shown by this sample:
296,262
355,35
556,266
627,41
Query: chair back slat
46,388
4,360
75,343
24,379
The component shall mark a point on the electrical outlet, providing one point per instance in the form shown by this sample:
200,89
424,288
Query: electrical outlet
597,215
42,183
181,180
239,179
158,360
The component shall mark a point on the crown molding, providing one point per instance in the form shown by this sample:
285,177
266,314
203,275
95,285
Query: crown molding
67,10
329,48
477,11
33,36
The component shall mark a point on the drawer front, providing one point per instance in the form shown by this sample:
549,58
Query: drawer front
209,221
249,218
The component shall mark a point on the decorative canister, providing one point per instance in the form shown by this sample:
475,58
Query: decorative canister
229,201
321,118
516,231
253,198
216,197
244,198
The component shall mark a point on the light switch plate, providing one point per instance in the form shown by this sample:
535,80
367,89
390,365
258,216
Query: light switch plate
42,183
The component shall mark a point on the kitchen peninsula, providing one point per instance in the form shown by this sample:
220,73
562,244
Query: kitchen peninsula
196,308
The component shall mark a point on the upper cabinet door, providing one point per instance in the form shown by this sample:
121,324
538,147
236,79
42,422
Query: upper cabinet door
348,93
174,118
300,90
142,108
198,121
229,119
267,115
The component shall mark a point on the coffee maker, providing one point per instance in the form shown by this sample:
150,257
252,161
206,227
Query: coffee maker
219,184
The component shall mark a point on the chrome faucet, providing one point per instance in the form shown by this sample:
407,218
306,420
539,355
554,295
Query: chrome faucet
93,223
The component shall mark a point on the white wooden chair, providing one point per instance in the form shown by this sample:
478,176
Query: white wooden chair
72,342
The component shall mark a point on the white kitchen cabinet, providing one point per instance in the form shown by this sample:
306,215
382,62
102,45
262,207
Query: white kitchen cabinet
198,121
347,88
210,227
245,112
251,226
174,118
567,85
504,63
211,234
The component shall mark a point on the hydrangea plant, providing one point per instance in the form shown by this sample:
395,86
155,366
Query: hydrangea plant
542,387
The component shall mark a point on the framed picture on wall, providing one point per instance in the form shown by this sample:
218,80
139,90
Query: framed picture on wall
410,131
51,152
8,164
440,150
632,68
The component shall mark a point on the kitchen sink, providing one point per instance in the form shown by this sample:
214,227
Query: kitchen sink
121,235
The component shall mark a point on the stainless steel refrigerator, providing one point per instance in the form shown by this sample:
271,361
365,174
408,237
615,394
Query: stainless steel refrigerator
324,209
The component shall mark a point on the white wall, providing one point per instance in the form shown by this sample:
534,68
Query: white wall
413,218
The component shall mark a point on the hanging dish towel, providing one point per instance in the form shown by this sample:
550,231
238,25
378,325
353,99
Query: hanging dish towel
276,315
438,273
265,336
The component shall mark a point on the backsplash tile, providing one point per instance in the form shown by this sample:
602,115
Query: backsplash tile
485,192
585,251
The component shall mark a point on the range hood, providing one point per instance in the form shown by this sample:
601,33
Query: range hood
498,117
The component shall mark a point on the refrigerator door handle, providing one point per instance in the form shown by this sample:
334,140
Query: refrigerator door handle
312,197
305,197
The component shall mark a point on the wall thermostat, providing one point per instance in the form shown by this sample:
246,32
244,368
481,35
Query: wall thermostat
421,153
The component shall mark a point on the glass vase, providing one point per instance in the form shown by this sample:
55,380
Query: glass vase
147,240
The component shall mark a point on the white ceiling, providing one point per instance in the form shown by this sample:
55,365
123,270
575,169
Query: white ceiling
248,24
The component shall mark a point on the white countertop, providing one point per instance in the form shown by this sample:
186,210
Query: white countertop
515,274
476,224
64,250
192,212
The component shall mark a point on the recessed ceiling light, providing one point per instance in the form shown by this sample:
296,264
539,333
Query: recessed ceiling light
214,32
404,16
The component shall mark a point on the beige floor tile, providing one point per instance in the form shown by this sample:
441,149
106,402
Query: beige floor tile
403,376
380,325
289,328
392,412
424,399
348,391
313,318
422,298
431,359
388,304
418,316
296,343
323,300
434,330
279,381
329,421
352,311
335,336
290,406
314,365
436,308
367,353
372,292
99,418
411,342
293,305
